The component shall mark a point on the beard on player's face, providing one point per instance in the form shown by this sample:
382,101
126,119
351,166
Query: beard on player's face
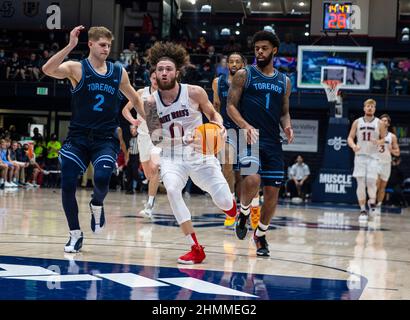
263,63
167,85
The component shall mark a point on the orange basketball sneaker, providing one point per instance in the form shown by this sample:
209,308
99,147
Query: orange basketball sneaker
196,255
255,212
229,221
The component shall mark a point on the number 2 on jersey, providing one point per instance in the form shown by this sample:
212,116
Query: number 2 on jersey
97,107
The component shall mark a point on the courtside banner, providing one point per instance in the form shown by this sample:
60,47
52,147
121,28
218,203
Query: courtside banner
306,136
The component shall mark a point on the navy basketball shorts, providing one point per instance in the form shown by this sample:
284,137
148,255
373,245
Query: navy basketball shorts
265,160
83,149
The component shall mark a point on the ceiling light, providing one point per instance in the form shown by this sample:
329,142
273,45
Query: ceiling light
206,8
301,4
237,32
192,1
265,4
307,34
226,32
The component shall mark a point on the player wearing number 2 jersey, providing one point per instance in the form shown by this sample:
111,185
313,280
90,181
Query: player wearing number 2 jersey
369,133
92,136
174,111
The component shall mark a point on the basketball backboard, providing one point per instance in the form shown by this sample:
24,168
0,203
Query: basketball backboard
352,64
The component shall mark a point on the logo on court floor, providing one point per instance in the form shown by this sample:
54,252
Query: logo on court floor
337,143
53,279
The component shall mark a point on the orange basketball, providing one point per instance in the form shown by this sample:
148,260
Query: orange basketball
210,138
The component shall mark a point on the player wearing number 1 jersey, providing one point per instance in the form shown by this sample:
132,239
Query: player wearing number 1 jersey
92,137
369,133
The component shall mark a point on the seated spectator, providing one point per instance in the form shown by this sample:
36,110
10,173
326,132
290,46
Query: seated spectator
36,135
32,68
287,47
299,185
20,166
15,69
34,167
11,169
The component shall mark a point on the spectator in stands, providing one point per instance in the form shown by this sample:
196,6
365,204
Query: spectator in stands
13,133
207,72
222,67
8,183
33,168
32,68
231,46
52,163
36,135
130,53
40,151
287,47
15,69
212,56
379,76
190,74
201,46
186,44
299,185
19,177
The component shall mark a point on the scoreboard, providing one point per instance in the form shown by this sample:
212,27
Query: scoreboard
337,16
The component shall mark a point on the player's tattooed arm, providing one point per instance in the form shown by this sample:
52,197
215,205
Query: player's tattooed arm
285,121
234,96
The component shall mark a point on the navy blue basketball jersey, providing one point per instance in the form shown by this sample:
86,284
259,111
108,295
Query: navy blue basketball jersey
223,88
96,100
261,103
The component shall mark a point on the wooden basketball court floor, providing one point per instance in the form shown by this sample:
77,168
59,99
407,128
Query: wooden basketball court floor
316,253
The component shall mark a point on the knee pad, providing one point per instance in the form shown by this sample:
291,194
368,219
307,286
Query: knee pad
222,197
174,187
361,188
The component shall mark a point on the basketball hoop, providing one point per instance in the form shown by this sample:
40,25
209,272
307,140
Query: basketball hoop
332,88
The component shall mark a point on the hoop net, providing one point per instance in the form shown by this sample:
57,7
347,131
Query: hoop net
332,88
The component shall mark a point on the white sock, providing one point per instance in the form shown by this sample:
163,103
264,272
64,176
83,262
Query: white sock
151,200
190,240
255,201
245,209
1,181
261,230
379,204
75,233
362,207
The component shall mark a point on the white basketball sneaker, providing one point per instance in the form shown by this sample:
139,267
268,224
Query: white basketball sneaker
75,242
147,211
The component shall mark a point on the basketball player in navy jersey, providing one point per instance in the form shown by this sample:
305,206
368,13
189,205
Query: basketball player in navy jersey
258,101
220,87
92,136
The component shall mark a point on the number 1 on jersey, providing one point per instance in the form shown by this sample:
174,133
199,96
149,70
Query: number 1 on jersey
97,107
267,101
